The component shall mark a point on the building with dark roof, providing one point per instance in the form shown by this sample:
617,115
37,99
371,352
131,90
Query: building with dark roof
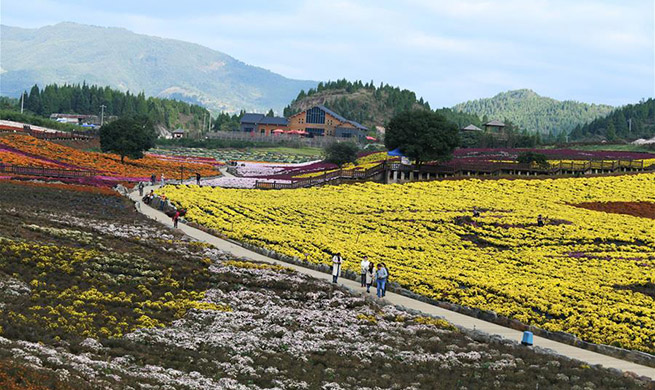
494,126
262,124
178,133
321,121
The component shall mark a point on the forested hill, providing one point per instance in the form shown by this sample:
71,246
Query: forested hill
629,123
366,103
85,99
527,110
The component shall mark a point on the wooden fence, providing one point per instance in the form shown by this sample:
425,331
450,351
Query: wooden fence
275,139
397,171
51,135
333,177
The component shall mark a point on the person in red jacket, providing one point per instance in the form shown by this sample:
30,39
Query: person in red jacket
176,217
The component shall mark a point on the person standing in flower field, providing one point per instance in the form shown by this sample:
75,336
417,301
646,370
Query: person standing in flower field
370,275
162,180
197,178
336,267
364,270
540,220
380,280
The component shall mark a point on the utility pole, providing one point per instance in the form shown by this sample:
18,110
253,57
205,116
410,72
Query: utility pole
102,115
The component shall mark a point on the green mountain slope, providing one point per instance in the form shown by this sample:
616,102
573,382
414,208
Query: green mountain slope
75,53
366,103
535,113
629,122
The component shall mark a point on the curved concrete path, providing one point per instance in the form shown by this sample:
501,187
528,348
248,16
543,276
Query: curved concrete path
458,319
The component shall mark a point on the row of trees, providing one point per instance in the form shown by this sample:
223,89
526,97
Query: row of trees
627,123
88,99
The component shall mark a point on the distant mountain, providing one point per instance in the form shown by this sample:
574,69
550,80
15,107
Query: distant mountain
366,103
529,111
76,53
628,123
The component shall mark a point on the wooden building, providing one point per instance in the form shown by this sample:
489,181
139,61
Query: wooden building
471,128
262,124
320,121
494,127
178,133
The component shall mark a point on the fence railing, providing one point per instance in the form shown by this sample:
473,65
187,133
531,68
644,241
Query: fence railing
331,177
50,135
316,142
43,171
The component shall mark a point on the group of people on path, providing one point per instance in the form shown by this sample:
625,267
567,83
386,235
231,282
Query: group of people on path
369,273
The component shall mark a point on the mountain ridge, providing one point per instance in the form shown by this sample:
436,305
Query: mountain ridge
74,53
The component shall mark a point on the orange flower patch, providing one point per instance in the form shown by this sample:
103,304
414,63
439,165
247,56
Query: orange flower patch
106,164
10,158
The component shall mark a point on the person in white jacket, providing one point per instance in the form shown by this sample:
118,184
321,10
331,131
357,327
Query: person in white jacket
336,267
370,276
364,267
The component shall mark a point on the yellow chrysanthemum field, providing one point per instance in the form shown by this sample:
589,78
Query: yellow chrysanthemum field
589,273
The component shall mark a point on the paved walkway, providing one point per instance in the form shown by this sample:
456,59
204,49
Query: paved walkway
584,355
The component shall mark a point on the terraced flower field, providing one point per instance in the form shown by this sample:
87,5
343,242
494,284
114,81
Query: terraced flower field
585,272
95,296
21,149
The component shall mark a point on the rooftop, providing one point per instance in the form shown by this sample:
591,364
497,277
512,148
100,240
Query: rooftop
495,123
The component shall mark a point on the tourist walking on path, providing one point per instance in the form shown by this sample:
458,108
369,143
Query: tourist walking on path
364,266
153,179
141,186
386,279
161,202
176,217
336,267
148,198
380,280
197,178
162,180
370,275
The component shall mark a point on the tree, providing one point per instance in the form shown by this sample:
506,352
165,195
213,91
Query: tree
530,157
128,137
341,153
422,135
270,113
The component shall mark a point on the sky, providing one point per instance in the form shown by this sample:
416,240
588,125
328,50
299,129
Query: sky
600,51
